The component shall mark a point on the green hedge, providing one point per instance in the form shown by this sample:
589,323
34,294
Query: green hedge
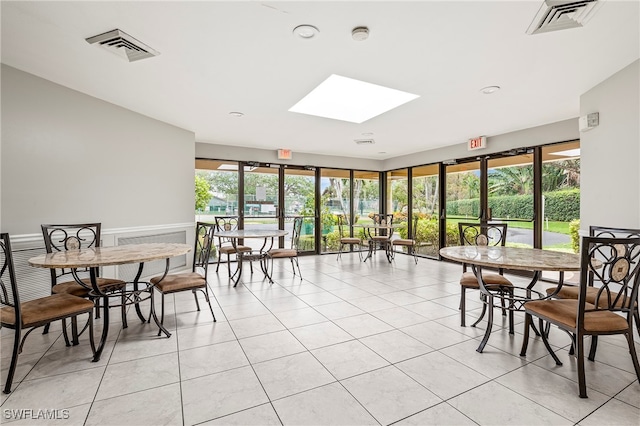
561,206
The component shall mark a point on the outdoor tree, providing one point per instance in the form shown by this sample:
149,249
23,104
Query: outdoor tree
202,194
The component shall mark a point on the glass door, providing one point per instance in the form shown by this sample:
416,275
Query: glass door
335,199
300,200
462,198
425,204
260,201
561,197
510,195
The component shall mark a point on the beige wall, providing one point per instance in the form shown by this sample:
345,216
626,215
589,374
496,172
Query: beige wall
68,157
610,153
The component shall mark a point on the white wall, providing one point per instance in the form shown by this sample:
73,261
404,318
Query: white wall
68,157
554,132
610,153
236,153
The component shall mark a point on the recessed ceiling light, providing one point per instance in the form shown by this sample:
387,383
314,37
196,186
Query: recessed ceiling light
347,99
490,89
236,114
367,134
382,152
306,31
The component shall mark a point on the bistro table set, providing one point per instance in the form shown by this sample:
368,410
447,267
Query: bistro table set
606,258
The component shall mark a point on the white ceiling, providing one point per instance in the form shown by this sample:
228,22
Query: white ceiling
218,57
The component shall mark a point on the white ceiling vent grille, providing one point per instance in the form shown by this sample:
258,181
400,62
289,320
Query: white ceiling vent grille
123,45
555,15
364,141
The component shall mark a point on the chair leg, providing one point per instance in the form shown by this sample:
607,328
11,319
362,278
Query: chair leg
547,345
298,265
195,296
462,306
218,265
525,338
161,308
632,351
45,330
74,331
582,382
123,308
206,297
339,252
229,264
91,342
594,346
65,333
14,360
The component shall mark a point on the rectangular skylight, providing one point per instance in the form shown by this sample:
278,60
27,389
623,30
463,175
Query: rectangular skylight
347,99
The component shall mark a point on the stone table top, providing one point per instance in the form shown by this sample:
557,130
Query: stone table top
106,256
516,258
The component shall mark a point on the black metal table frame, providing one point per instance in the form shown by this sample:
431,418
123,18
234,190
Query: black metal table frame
253,255
512,300
132,297
373,243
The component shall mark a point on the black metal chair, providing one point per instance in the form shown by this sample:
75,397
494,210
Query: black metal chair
613,264
345,239
381,237
64,237
482,234
19,316
225,245
290,253
570,291
408,243
193,281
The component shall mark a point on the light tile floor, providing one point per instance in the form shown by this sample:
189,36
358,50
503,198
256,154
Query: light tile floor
352,343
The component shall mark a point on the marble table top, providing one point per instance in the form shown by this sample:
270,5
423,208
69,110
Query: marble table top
517,258
105,256
252,233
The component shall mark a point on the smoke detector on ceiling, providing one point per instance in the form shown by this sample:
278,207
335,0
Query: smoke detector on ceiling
123,45
555,15
364,141
360,33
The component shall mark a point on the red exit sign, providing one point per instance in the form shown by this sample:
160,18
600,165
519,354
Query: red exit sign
477,143
284,154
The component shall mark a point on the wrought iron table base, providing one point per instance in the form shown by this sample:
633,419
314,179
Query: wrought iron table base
513,298
132,297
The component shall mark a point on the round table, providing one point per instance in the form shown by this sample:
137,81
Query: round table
94,258
514,258
239,234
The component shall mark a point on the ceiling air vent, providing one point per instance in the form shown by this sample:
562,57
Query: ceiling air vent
555,15
364,141
122,44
